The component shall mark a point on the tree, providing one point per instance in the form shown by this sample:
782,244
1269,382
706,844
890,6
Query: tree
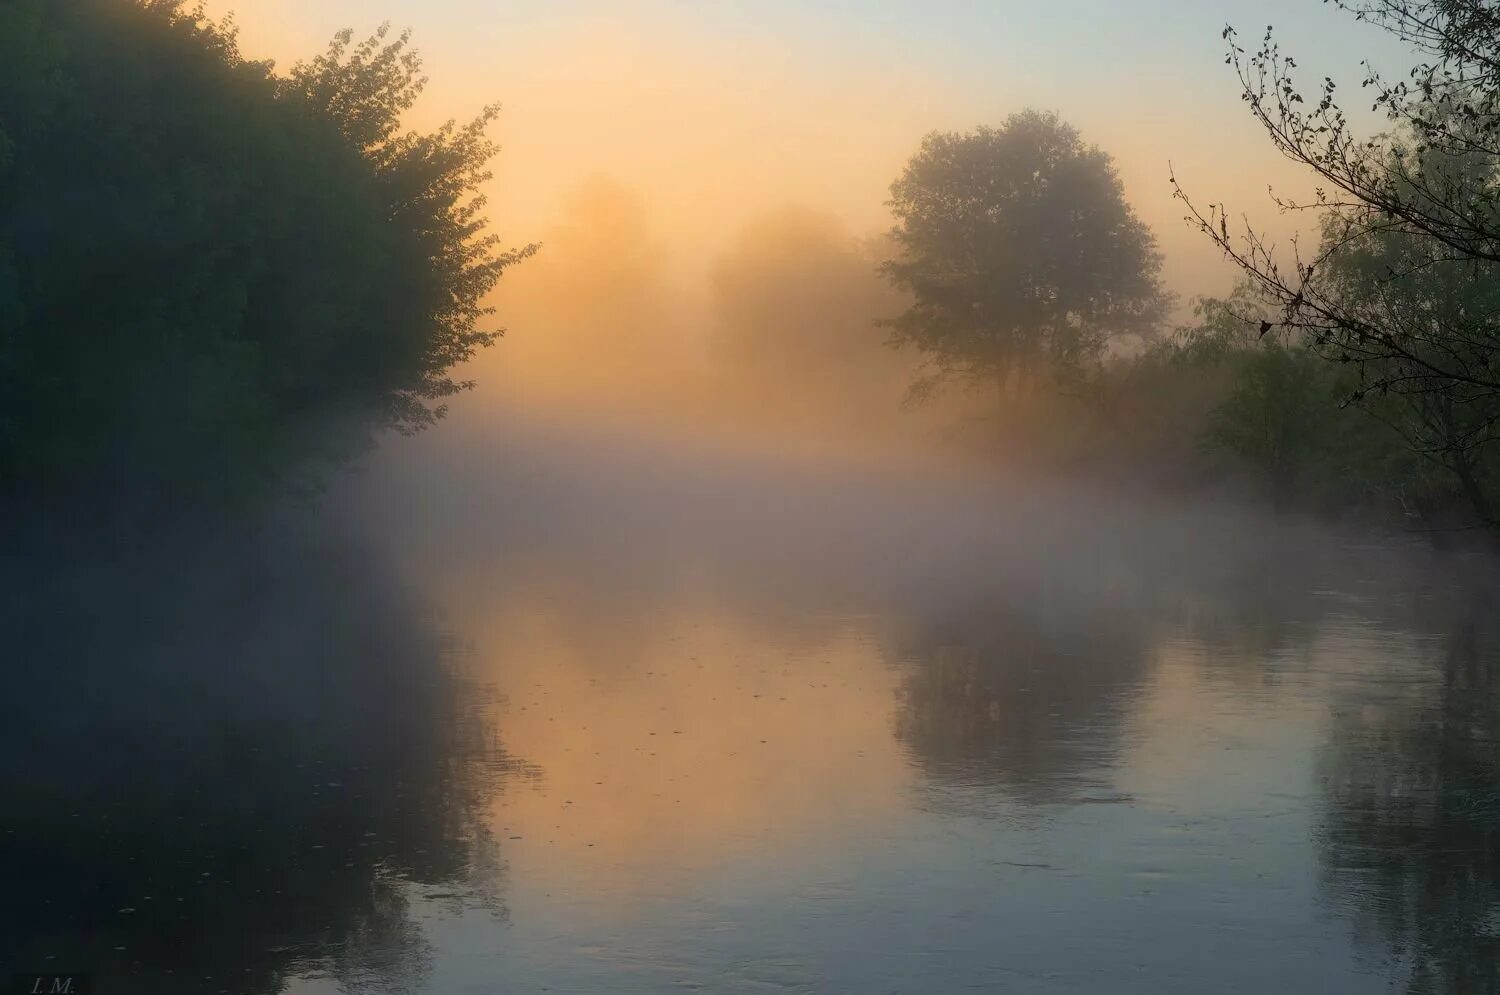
1399,287
1442,313
597,307
1269,405
211,274
794,300
1447,110
1020,253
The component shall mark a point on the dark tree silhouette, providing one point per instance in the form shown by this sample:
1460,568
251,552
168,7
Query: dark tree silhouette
210,273
1020,253
1444,312
1399,285
1447,110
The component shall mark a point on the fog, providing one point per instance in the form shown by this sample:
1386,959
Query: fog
626,507
698,646
717,114
737,668
708,188
777,343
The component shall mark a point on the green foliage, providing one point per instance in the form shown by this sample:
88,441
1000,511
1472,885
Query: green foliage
1020,253
1443,315
1281,414
1276,415
211,275
1402,292
1222,407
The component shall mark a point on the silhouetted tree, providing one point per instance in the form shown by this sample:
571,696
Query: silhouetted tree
209,273
1400,285
1441,312
1447,111
1020,253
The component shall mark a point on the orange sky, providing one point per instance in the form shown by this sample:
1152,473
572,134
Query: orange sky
715,119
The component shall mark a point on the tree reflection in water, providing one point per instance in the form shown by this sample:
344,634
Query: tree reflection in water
225,765
1002,699
1412,824
1025,681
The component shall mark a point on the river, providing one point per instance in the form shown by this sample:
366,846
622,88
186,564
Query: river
579,711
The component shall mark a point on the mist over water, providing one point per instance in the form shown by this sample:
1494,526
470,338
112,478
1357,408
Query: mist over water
846,723
602,705
695,651
681,655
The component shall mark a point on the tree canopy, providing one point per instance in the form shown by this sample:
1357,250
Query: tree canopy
1401,286
1019,251
211,273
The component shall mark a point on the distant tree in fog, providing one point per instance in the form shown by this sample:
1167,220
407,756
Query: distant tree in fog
796,298
1020,252
597,310
605,263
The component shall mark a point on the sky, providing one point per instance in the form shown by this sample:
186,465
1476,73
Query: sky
715,112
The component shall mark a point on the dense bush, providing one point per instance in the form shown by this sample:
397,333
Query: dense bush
1218,407
212,275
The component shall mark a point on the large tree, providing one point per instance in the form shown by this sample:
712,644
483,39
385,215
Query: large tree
1020,253
1400,286
1440,313
1446,111
210,272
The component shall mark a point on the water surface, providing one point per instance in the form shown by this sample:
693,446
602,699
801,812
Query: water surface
609,717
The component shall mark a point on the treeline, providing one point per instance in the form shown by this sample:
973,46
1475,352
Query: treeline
1361,378
215,278
1216,408
1403,292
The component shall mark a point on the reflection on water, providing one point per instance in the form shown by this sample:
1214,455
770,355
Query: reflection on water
807,733
226,766
1412,833
660,753
1018,697
827,731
